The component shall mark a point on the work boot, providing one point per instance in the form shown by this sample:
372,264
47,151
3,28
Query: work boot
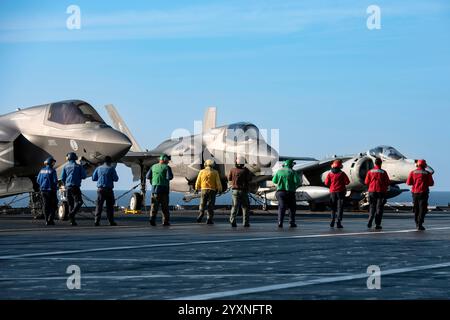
339,225
210,222
166,224
153,222
333,222
421,228
378,228
234,225
293,225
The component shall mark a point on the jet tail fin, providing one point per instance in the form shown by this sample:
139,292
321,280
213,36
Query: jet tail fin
210,119
121,126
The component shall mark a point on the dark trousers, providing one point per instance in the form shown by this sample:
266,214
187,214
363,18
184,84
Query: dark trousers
377,200
75,200
286,200
337,205
420,207
105,195
50,205
240,200
160,199
208,202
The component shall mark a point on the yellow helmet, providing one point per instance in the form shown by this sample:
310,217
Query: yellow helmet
210,163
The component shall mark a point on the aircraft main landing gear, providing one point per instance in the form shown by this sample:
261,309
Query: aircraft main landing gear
137,201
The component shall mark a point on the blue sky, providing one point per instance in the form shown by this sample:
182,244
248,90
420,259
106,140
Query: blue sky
309,68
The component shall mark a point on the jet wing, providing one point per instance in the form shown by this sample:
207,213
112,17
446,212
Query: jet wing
316,164
284,158
313,171
141,158
139,161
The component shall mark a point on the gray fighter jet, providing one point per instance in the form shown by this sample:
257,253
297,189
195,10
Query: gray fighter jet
188,154
29,136
356,167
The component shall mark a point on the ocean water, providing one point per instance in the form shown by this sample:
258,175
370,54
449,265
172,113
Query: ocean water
438,198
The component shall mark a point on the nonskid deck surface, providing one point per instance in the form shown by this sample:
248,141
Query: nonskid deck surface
195,261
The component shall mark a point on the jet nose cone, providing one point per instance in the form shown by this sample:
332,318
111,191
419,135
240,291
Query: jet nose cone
400,170
116,144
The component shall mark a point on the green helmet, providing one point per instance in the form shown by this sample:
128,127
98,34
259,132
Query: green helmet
289,163
164,157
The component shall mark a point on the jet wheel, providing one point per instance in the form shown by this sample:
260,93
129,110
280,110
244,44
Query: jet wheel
136,202
63,211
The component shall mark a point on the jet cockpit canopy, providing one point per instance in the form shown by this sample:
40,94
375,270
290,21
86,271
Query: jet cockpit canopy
73,112
242,131
386,153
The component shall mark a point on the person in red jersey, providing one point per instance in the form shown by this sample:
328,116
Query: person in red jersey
421,180
337,181
378,182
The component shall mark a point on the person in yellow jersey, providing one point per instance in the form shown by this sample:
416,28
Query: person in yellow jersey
208,181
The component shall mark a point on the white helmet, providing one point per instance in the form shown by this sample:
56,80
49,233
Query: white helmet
240,160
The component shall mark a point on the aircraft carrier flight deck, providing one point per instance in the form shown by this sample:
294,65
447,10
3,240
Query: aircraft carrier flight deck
190,261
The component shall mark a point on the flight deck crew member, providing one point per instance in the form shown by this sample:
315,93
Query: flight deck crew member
337,180
208,181
240,178
378,182
105,175
48,185
160,175
421,180
72,175
287,181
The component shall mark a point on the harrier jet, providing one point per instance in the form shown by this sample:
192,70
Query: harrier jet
29,136
223,144
356,167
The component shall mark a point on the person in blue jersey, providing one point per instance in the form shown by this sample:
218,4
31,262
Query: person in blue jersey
72,176
48,186
105,176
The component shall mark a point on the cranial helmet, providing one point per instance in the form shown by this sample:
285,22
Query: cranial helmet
72,156
240,161
289,163
422,163
49,161
210,163
337,164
